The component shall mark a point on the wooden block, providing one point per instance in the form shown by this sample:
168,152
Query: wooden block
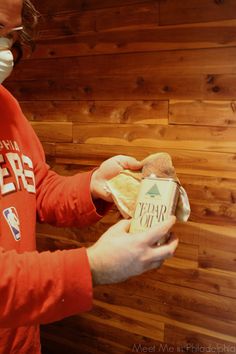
174,11
150,317
60,339
53,131
81,5
212,258
142,324
187,252
187,232
128,16
213,213
49,149
62,24
209,113
123,87
190,341
216,248
209,280
164,64
210,189
205,303
179,263
127,87
54,42
135,112
213,236
217,237
159,137
92,332
66,23
162,305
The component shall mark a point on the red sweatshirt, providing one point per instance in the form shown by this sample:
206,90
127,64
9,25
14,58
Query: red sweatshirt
36,288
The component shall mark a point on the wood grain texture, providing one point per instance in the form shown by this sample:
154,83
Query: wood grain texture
119,17
81,5
159,137
174,11
209,113
158,86
185,62
51,132
135,112
189,341
57,41
137,77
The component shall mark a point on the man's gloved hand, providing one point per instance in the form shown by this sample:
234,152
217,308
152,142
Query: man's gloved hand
107,170
118,255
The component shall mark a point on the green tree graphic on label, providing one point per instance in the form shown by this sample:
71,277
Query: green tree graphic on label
153,191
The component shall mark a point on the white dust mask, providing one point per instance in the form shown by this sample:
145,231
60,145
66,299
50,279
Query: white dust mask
6,58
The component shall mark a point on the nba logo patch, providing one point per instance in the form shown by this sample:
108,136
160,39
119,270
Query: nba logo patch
12,219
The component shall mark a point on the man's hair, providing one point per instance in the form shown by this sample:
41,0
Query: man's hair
27,36
29,20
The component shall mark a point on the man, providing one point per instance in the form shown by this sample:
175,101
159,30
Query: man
40,288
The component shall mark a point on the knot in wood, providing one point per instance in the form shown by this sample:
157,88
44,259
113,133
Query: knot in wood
88,89
166,88
140,81
215,89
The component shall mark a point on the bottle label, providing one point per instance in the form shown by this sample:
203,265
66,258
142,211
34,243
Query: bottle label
157,200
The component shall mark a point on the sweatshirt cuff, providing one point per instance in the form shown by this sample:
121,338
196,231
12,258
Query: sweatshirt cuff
93,211
78,283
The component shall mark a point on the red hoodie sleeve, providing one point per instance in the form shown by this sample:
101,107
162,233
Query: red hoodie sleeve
38,288
64,201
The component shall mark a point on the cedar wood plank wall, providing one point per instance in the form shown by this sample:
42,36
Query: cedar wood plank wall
136,77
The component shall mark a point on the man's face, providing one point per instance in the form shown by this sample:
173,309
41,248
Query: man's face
10,14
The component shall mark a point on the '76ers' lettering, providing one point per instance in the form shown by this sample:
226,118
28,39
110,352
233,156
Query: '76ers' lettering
20,167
